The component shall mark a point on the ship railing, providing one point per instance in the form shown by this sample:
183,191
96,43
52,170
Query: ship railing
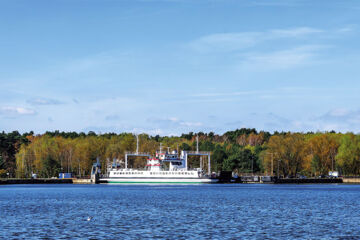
145,154
198,152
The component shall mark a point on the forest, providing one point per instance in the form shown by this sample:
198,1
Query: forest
244,151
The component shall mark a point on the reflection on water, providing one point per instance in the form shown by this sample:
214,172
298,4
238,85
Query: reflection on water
180,212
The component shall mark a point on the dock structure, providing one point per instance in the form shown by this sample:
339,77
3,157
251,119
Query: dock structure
351,180
82,181
185,154
134,154
5,181
307,180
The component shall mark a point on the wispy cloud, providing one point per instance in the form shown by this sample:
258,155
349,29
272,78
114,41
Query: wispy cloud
228,42
113,117
284,59
173,122
339,119
277,3
237,124
16,111
221,94
43,101
294,32
341,116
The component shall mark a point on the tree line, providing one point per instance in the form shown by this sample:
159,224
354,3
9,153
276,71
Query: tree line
244,151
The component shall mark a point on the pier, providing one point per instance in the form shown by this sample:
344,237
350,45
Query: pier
4,181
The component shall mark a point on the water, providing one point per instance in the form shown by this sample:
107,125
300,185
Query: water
180,212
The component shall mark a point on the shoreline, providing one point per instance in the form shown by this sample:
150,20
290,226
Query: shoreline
10,181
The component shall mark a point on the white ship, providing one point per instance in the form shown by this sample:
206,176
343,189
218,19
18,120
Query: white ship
157,171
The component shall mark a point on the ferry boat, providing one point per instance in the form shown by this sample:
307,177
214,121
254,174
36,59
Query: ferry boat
156,171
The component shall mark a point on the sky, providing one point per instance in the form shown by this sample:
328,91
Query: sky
174,66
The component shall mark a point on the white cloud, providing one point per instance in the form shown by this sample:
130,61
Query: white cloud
225,42
285,59
173,122
16,111
228,42
278,3
43,101
190,124
221,94
339,120
339,112
294,32
113,117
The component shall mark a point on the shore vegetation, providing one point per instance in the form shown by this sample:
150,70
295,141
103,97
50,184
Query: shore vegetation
244,151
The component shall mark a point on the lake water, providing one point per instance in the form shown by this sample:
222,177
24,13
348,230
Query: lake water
244,211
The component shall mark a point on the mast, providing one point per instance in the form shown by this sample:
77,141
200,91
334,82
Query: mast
137,144
197,143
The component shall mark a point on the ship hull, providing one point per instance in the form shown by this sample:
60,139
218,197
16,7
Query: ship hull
159,180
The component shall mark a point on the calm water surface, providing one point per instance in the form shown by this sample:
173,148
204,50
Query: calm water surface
180,212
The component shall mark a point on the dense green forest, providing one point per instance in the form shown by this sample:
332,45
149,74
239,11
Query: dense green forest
243,151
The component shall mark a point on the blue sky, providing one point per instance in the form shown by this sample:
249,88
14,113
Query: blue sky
172,66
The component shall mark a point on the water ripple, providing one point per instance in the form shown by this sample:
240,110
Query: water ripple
180,212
